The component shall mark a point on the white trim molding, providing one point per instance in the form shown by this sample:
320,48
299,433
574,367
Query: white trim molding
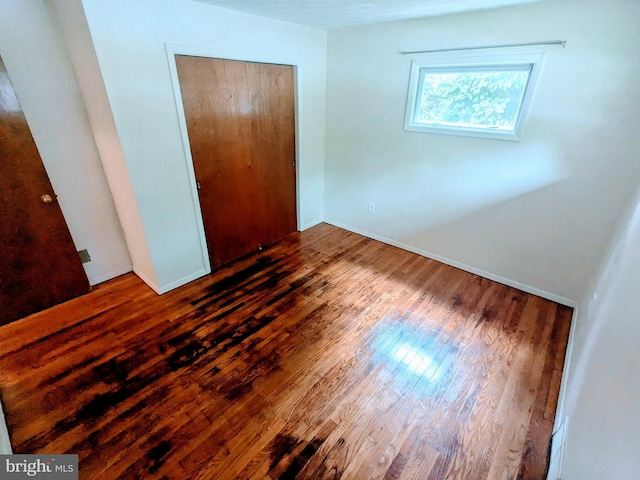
560,420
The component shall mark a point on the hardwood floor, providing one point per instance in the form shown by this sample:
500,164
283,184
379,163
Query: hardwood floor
328,355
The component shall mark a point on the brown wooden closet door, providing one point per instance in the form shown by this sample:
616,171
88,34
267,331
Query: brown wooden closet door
241,124
39,265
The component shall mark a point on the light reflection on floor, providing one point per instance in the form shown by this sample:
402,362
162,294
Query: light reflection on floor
418,359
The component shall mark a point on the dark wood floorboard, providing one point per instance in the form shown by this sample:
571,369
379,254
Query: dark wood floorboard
328,355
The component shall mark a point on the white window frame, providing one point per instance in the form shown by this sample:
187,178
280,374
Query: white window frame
468,60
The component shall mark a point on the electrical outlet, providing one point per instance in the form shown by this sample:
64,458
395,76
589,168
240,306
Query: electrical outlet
84,256
371,207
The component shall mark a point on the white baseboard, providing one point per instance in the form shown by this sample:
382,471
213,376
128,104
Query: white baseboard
476,271
560,410
146,280
183,281
561,421
108,276
161,289
557,452
311,224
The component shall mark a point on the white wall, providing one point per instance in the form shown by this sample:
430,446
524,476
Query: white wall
538,213
603,387
43,78
70,18
5,443
129,39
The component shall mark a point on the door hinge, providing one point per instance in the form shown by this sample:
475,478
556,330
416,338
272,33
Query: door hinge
294,163
198,185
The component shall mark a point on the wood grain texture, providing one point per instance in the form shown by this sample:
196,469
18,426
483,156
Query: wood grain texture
328,355
39,265
241,123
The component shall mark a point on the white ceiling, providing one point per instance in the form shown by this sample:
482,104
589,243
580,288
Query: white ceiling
327,14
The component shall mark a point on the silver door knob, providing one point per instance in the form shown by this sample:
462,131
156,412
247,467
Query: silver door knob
46,198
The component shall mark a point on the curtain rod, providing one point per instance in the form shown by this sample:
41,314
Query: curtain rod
561,43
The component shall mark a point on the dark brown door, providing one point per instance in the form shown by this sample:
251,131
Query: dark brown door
39,265
241,124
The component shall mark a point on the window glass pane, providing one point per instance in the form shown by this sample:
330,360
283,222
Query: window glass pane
471,98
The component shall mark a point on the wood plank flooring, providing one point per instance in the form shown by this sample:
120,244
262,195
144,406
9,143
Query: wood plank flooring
328,355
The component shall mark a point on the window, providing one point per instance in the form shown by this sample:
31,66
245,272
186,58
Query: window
477,94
